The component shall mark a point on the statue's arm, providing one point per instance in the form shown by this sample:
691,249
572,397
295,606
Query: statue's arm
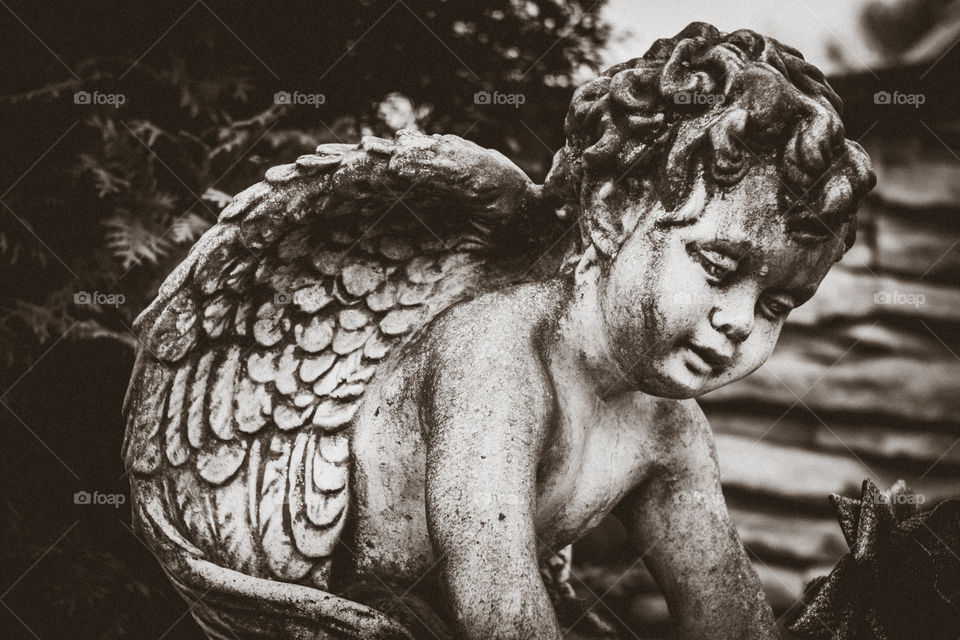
484,443
679,522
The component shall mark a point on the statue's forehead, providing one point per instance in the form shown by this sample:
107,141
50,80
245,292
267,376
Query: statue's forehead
751,206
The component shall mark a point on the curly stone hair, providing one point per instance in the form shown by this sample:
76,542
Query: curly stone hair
716,104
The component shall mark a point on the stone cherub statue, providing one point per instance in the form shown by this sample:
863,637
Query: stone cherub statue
388,385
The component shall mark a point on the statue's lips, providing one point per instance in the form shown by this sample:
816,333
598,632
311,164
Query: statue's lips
704,360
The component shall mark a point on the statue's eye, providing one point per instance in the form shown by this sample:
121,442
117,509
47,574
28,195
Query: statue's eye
774,309
716,265
712,269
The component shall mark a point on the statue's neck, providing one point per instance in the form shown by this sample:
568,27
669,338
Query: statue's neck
580,347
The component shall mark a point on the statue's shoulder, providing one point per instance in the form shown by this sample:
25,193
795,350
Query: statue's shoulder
678,431
505,315
489,342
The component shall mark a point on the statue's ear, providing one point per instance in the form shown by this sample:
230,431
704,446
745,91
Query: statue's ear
611,211
588,260
602,208
560,187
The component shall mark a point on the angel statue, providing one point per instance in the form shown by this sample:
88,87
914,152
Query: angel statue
393,383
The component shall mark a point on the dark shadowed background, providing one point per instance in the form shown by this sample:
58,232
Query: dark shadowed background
128,126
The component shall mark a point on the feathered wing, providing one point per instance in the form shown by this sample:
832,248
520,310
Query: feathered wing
257,351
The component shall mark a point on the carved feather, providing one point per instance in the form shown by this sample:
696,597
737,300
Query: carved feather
335,447
423,270
362,277
268,326
316,335
221,395
284,559
327,260
262,366
286,379
333,414
218,461
144,445
376,347
176,330
410,294
216,315
252,405
196,412
346,341
241,318
287,416
315,519
313,367
177,447
396,248
384,298
399,321
312,298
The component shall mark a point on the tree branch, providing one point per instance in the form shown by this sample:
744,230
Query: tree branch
93,330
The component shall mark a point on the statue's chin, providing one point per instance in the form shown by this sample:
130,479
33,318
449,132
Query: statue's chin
673,379
673,391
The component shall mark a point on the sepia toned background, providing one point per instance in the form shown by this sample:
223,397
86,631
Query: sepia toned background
126,129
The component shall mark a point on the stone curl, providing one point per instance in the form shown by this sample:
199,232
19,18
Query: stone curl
717,104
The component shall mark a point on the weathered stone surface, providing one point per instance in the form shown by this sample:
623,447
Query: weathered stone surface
783,586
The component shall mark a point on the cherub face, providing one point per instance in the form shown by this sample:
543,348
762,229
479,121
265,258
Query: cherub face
693,302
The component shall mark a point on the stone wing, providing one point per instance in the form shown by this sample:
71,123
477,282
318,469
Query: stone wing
257,351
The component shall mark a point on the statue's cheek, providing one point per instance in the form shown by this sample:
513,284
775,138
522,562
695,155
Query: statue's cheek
756,350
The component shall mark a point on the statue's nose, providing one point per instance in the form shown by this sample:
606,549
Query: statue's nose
733,320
